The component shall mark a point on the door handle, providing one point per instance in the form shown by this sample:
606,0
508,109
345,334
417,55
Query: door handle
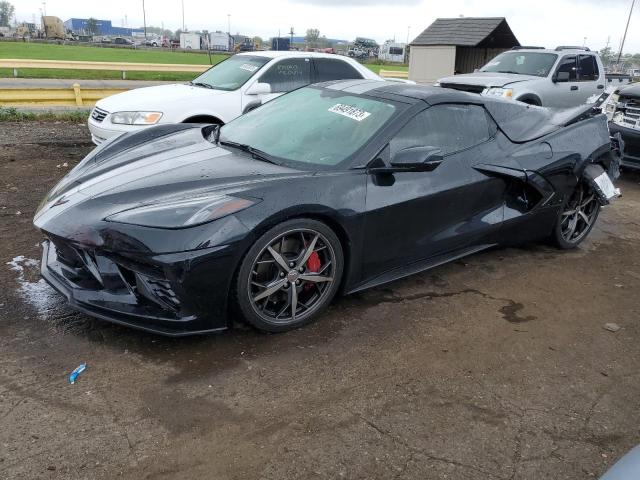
574,88
600,87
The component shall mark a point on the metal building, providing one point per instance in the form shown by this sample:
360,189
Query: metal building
104,27
458,45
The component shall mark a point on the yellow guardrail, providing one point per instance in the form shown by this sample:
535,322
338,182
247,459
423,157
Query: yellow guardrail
394,74
16,64
74,96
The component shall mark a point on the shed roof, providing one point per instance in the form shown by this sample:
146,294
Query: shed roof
489,32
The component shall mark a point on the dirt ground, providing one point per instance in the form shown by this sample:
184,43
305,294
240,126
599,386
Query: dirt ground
494,367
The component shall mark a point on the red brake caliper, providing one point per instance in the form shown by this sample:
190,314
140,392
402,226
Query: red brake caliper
313,264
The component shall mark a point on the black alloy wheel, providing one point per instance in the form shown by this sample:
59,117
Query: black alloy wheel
289,275
577,217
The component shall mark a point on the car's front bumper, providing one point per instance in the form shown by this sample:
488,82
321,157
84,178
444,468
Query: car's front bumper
631,139
174,294
104,130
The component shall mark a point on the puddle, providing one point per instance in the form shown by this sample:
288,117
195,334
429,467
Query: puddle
40,296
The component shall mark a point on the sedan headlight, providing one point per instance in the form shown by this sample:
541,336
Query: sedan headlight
136,118
182,213
499,92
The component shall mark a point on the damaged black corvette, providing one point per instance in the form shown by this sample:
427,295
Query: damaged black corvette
180,229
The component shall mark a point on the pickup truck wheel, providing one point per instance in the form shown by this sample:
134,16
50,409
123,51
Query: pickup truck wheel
531,101
204,119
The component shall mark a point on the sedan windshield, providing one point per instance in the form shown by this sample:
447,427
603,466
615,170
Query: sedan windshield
232,73
311,125
523,63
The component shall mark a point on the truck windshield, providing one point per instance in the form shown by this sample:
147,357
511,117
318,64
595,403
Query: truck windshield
522,63
310,127
232,73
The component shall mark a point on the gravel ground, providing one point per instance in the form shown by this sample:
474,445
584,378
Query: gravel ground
495,367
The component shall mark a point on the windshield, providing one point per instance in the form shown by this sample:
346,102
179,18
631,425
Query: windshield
523,63
312,126
232,73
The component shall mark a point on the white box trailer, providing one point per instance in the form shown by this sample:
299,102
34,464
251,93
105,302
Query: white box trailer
392,52
190,41
220,41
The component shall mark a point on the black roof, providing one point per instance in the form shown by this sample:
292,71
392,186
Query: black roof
407,92
489,32
520,122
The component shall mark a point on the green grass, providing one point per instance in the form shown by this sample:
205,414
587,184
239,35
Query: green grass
41,51
97,74
13,115
391,66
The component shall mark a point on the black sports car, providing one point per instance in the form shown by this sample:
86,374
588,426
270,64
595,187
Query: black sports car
179,229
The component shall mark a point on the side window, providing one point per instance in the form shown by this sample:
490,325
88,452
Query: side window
588,68
329,69
567,66
449,127
288,75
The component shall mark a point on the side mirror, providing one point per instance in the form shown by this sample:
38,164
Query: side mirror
419,159
561,77
259,88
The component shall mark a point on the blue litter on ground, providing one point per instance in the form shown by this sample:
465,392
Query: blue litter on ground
76,372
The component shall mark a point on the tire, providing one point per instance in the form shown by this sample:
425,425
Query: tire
274,299
577,217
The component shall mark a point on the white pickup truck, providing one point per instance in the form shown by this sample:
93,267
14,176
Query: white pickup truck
560,78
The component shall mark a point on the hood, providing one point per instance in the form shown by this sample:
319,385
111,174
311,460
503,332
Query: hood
155,98
630,91
160,163
488,79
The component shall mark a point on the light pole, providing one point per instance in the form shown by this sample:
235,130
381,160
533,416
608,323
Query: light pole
228,31
624,38
144,19
183,15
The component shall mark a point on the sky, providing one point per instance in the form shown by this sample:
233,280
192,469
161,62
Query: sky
541,22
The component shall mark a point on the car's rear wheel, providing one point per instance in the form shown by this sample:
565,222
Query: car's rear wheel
289,275
577,218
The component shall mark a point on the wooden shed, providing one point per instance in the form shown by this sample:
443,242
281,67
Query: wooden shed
458,45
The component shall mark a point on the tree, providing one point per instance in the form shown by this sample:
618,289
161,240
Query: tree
606,54
92,26
312,36
6,13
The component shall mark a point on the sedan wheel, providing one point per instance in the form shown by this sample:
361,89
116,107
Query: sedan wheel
578,217
289,275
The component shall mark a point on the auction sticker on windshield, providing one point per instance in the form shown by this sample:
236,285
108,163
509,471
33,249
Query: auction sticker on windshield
250,68
349,111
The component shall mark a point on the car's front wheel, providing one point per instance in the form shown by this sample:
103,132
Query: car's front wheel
577,218
289,275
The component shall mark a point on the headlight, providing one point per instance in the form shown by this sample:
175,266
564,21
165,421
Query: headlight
609,107
182,213
618,117
136,118
437,84
499,92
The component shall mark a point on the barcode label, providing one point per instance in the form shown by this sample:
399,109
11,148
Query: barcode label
349,111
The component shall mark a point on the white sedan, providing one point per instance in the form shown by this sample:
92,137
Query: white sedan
222,93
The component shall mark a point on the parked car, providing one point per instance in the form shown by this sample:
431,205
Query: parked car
560,78
222,93
623,109
122,41
334,187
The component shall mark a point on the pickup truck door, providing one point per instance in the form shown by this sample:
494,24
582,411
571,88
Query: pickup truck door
590,75
565,89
